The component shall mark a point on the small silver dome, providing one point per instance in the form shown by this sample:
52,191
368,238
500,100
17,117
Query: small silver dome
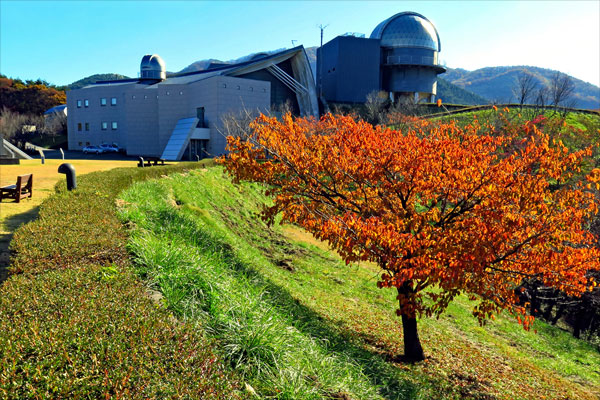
152,67
407,29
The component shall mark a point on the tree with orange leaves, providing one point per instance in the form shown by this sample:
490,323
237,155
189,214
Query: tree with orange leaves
443,210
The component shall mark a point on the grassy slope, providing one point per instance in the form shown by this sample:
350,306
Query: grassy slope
45,177
76,323
575,130
333,313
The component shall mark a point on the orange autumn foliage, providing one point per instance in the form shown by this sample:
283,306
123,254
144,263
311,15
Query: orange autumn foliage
443,210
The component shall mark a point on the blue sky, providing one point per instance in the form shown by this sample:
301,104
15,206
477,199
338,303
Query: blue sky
63,41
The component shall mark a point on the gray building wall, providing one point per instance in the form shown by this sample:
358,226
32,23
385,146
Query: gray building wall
95,114
147,114
224,95
350,68
141,116
410,69
280,94
172,106
409,79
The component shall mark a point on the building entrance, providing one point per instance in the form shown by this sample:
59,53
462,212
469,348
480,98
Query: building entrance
198,148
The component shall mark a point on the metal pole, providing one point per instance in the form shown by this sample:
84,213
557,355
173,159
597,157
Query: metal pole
62,153
321,63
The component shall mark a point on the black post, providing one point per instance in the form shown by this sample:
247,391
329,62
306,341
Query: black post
141,162
69,170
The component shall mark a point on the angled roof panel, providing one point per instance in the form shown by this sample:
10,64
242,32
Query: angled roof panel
180,137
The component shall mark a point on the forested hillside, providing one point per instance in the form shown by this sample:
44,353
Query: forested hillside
95,78
497,84
453,94
29,97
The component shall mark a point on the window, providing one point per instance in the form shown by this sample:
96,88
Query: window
114,125
87,126
78,103
103,101
113,101
79,126
86,103
104,126
200,116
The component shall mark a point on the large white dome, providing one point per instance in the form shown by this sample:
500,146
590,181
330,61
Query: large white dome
407,29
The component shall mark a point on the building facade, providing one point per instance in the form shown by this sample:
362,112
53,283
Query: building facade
180,116
401,58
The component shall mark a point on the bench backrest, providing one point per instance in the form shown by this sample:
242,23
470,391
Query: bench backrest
24,182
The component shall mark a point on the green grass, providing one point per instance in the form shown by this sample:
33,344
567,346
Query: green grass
296,322
75,322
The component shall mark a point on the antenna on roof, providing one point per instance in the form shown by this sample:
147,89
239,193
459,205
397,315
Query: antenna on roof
293,40
322,28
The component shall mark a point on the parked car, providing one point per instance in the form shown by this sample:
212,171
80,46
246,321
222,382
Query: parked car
93,150
109,148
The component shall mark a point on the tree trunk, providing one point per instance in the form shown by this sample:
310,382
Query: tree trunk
559,313
413,351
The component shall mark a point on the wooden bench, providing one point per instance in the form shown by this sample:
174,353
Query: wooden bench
154,160
18,191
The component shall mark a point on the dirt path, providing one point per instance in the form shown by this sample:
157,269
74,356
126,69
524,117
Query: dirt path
45,176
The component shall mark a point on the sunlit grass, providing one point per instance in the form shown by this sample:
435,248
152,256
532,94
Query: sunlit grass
45,177
299,323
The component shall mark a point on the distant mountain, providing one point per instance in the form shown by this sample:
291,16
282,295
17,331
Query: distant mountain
453,94
203,64
496,83
93,79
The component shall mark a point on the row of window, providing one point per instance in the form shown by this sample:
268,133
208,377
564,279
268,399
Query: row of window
103,102
103,126
250,89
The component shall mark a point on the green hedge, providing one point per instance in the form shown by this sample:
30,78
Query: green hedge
75,322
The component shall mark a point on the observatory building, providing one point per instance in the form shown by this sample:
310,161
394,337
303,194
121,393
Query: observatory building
401,57
179,116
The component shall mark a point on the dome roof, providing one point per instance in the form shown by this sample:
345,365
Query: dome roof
153,67
407,29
